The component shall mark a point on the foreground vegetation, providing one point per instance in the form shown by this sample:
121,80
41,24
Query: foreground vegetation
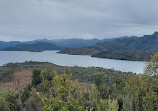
58,90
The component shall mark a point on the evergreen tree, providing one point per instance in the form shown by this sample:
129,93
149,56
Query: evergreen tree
36,77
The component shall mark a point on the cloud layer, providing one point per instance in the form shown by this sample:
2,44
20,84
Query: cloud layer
55,19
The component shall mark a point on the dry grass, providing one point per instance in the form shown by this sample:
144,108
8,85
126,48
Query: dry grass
23,78
20,79
85,87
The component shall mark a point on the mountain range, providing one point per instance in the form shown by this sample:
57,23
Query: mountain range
57,43
145,43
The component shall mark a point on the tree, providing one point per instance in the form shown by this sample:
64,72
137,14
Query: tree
150,101
4,105
36,77
62,98
152,67
113,105
98,79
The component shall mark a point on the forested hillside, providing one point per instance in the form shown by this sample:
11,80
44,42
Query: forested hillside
126,55
38,46
143,44
79,51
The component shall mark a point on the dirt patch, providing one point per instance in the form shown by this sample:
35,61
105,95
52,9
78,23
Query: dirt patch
23,78
85,87
20,79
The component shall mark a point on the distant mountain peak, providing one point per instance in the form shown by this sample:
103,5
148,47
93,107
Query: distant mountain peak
155,33
43,39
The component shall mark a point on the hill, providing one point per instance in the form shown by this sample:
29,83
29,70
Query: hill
145,43
4,44
8,44
79,51
125,55
38,46
83,74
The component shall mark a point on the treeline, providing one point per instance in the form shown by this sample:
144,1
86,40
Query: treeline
126,55
6,74
50,91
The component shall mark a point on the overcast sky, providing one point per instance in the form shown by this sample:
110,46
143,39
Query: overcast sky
55,19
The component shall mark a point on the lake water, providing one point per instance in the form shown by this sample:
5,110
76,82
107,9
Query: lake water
71,60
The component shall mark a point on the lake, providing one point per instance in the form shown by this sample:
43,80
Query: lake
71,60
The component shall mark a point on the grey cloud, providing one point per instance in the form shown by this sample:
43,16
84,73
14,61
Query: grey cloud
34,19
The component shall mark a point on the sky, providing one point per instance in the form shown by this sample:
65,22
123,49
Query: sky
24,20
